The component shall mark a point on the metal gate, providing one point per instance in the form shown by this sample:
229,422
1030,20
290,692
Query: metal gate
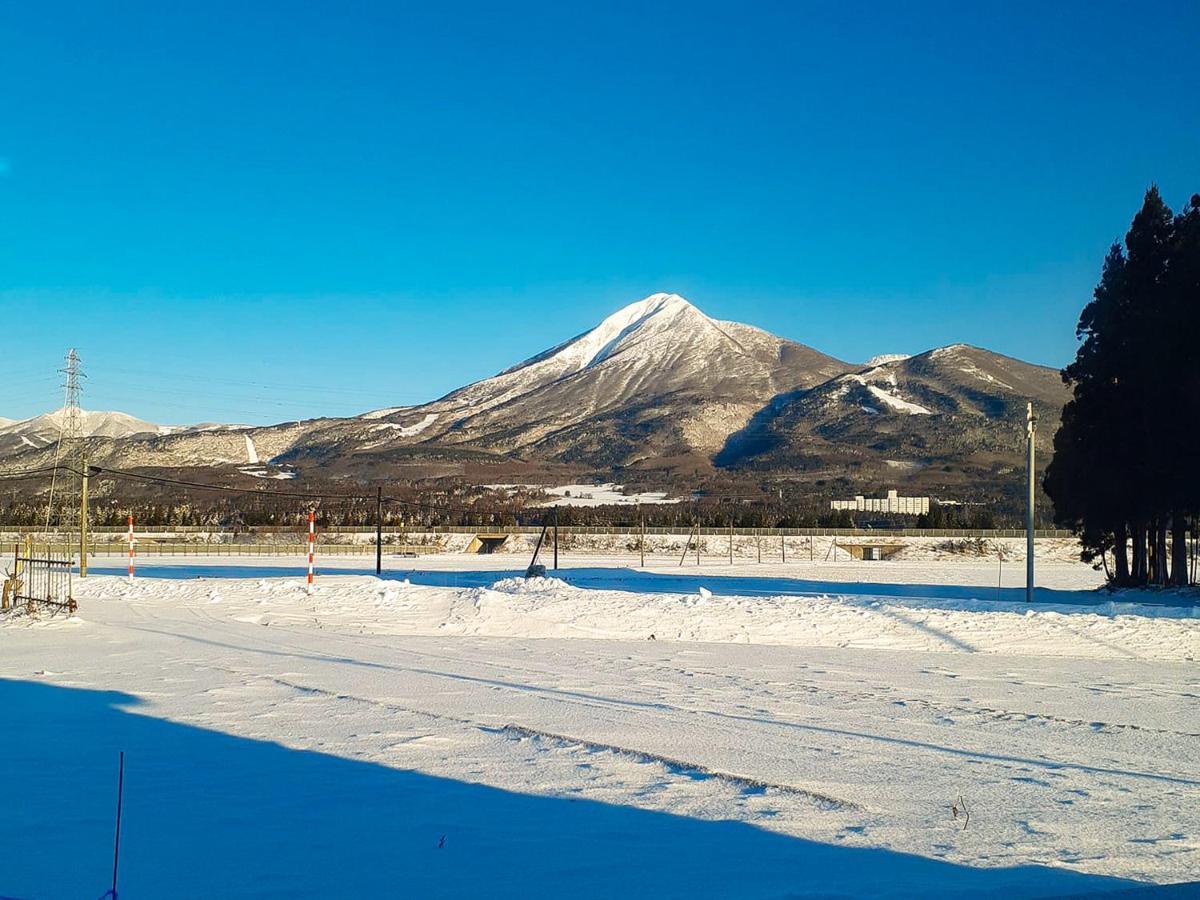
38,578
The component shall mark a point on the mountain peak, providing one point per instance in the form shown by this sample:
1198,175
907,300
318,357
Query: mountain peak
655,313
93,423
884,358
656,304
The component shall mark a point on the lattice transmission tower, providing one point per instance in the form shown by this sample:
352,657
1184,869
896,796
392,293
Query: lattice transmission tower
65,507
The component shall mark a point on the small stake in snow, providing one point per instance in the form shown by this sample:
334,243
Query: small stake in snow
312,538
955,808
117,841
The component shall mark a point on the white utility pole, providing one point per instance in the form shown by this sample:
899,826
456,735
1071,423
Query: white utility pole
1030,439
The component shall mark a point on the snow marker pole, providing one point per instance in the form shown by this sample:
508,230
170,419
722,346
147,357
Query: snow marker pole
312,538
131,548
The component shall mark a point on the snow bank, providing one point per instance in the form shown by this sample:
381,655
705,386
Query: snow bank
555,608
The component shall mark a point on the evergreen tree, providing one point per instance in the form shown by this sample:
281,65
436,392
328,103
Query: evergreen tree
1120,475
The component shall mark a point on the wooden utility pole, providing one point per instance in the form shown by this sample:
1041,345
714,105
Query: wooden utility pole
642,535
556,538
1030,439
379,530
83,516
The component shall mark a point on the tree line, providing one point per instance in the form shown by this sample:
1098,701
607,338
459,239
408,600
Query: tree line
1124,468
232,513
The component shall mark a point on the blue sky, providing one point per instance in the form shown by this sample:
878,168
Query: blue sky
256,212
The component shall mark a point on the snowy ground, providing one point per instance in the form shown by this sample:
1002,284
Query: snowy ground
449,730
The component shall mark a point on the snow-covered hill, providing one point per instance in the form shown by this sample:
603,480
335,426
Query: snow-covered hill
955,412
657,384
45,429
656,377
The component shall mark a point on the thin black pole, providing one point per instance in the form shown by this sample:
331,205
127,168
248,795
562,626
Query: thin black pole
379,531
556,538
117,842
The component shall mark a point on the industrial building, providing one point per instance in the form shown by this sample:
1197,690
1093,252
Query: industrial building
892,503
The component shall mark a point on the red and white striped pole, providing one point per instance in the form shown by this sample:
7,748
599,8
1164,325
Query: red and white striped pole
131,548
312,539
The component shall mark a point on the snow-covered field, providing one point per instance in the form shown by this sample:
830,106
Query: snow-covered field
716,731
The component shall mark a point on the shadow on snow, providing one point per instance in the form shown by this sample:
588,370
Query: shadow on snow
212,815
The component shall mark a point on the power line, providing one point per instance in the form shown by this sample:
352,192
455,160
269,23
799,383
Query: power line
28,473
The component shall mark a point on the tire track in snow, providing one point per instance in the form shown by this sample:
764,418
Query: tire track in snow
676,767
929,706
646,707
693,771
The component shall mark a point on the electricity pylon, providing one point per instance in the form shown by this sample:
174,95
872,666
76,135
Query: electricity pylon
70,462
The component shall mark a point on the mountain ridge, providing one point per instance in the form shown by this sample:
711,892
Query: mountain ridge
657,384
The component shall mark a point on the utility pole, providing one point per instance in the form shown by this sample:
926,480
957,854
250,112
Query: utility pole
1030,440
556,539
379,530
83,514
642,534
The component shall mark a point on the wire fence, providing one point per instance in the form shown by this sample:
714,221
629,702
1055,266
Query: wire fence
273,549
115,534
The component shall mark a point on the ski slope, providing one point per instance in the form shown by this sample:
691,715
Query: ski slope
450,731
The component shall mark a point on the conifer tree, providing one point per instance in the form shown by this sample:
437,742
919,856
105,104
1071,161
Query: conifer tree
1121,473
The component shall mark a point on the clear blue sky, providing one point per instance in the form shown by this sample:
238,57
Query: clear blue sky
257,211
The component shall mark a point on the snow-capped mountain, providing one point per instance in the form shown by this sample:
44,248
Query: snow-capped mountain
45,429
656,384
658,376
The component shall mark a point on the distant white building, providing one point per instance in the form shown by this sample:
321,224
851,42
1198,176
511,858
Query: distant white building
892,503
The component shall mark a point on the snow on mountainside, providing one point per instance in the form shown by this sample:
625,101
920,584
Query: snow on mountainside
656,384
956,409
662,331
45,429
887,358
657,377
